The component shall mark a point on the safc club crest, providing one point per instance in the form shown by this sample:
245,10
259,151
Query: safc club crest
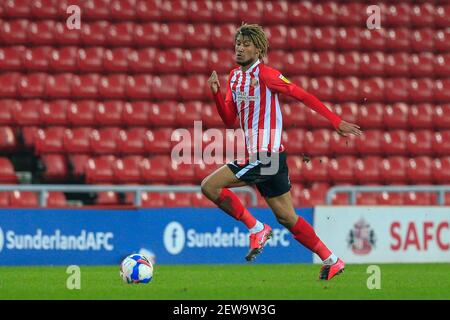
361,238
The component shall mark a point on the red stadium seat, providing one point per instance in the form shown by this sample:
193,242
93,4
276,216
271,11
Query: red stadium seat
294,115
316,170
49,140
346,89
322,63
397,39
200,11
29,136
136,113
277,37
372,40
200,201
299,38
348,38
81,113
367,170
169,61
59,85
64,36
56,199
295,165
372,90
158,141
90,59
422,40
300,13
104,140
138,86
11,58
173,199
6,111
148,10
77,140
85,86
340,170
418,170
419,143
325,14
112,86
396,64
96,9
441,40
225,11
298,63
32,85
340,199
420,116
123,9
187,113
8,84
393,170
322,88
210,117
396,116
99,170
175,10
324,38
155,169
54,167
23,199
120,34
44,9
440,170
310,198
127,170
340,145
152,200
94,33
165,87
442,65
369,143
394,143
147,34
421,90
351,14
181,172
14,32
26,113
64,59
441,143
278,58
422,15
116,60
198,35
441,14
162,114
421,65
198,60
373,63
7,172
132,141
172,35
107,198
54,112
420,199
37,58
397,89
275,12
442,90
109,113
390,198
143,60
347,64
192,87
317,142
17,9
251,11
222,36
4,197
294,140
41,32
78,164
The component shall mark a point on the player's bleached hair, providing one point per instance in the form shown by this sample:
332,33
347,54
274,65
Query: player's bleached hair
256,34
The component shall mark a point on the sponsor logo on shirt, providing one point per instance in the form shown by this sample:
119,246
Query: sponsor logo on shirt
284,78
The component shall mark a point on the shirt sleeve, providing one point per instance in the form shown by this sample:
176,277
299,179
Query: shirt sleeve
275,81
227,107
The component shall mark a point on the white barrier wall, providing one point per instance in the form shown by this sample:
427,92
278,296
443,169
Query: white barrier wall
361,234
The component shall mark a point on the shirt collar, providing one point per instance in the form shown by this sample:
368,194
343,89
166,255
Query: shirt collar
253,66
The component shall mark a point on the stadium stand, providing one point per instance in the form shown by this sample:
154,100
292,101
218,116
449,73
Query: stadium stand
99,104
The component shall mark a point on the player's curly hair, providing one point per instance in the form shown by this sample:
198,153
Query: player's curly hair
257,36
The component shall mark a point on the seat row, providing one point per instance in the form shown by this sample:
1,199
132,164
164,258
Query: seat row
265,12
221,36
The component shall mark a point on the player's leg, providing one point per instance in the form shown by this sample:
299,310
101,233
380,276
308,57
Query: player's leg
216,188
304,233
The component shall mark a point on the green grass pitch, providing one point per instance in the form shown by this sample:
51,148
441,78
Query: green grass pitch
234,282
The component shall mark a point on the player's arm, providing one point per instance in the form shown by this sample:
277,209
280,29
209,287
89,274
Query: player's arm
278,83
227,107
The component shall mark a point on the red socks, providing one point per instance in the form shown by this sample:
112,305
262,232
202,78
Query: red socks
231,204
305,234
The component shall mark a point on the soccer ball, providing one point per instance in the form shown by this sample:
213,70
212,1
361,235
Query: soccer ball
136,268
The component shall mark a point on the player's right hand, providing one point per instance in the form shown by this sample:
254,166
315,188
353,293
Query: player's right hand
213,82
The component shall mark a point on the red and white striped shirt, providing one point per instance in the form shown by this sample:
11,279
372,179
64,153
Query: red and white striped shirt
252,96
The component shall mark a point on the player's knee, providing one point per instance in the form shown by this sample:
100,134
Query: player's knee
207,188
284,221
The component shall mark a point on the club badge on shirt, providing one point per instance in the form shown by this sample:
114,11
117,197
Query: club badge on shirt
254,83
284,78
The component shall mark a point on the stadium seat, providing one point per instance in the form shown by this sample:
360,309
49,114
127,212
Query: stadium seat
421,90
148,10
4,198
322,88
44,9
347,64
421,64
175,10
192,87
310,198
396,64
316,170
49,140
300,13
367,198
222,36
54,167
322,63
350,14
165,87
23,199
6,111
324,14
162,114
11,58
277,37
442,65
396,116
136,113
177,199
293,140
77,140
317,142
324,38
420,199
200,11
394,143
372,64
28,135
198,35
299,38
297,63
340,170
104,140
109,113
348,38
225,11
32,85
77,165
210,117
346,89
59,85
37,58
373,40
138,86
372,90
131,141
7,172
418,170
390,198
340,145
441,40
172,34
143,60
147,34
294,115
112,86
64,59
397,89
188,112
169,61
90,59
440,143
64,36
277,59
198,60
26,113
99,170
127,170
422,15
275,12
440,170
181,172
8,84
54,112
397,39
56,199
295,164
369,143
123,10
155,169
96,9
422,40
419,143
152,200
94,33
41,32
441,90
420,116
116,59
81,113
17,9
14,32
367,170
200,201
393,170
251,11
158,140
85,86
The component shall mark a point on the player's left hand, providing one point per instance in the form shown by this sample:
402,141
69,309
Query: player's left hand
346,128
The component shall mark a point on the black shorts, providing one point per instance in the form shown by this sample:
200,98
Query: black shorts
269,173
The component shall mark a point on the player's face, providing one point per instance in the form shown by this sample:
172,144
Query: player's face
245,50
